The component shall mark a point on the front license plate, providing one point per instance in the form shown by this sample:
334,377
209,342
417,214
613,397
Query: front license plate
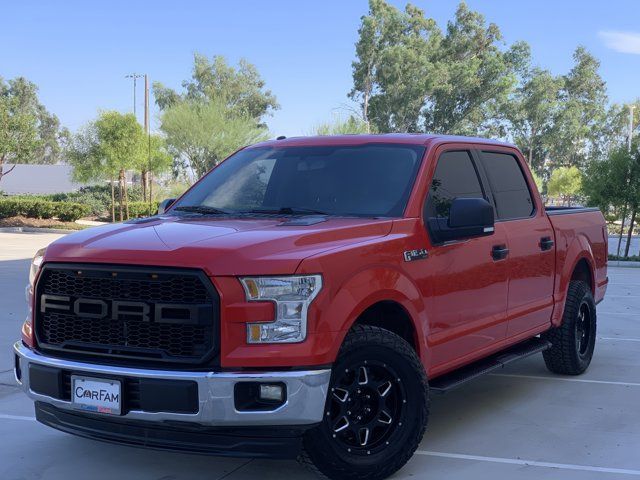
96,394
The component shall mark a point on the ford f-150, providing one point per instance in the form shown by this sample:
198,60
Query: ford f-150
307,296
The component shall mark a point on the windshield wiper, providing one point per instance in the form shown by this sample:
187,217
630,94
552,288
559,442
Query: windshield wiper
203,209
290,211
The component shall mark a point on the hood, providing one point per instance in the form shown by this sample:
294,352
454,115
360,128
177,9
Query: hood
219,246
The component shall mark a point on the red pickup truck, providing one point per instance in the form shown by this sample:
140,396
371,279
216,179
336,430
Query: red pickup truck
307,297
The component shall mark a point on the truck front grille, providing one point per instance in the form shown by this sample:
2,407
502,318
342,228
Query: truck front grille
126,313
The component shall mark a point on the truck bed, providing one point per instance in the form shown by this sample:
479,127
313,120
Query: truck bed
579,229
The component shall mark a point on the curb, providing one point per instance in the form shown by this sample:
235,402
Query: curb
35,230
623,264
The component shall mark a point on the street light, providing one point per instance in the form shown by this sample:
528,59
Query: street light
135,77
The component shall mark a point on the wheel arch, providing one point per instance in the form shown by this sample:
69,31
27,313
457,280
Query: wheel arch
392,316
579,264
382,297
584,271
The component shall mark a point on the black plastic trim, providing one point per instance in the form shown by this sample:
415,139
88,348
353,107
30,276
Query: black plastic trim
46,381
569,210
247,442
449,381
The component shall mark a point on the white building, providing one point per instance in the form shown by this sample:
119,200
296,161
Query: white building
38,179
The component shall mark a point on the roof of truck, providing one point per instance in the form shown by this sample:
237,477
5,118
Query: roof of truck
399,138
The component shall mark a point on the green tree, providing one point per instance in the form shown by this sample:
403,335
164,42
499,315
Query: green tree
395,54
155,159
579,125
200,135
615,183
18,134
410,76
221,109
241,89
351,125
565,183
106,148
480,75
28,132
538,181
531,112
616,128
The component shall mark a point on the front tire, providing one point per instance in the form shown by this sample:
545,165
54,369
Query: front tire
573,342
376,411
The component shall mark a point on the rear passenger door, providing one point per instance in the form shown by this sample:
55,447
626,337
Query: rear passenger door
531,257
467,287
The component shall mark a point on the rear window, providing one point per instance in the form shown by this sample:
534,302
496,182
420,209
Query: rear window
509,187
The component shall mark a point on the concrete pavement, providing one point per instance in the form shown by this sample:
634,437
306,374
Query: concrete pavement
521,423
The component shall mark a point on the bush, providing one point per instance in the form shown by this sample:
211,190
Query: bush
35,208
9,208
70,212
141,209
630,258
39,209
98,198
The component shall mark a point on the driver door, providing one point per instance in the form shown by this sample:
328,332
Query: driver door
467,285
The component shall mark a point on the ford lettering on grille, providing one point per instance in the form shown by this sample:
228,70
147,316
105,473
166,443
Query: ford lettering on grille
127,314
120,309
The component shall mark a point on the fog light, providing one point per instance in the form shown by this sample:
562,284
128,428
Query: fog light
259,397
272,393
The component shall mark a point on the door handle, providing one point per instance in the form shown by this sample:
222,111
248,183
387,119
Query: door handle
546,243
499,252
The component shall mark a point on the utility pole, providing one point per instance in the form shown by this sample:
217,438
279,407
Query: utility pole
631,107
135,77
147,129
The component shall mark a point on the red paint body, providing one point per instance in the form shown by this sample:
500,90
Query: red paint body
462,304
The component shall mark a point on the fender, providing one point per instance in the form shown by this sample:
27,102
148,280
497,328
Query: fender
368,287
577,250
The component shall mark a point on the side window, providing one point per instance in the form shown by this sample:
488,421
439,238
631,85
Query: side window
455,176
509,186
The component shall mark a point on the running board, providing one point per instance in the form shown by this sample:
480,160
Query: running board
449,381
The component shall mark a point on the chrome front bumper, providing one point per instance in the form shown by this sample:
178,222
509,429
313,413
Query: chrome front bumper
306,392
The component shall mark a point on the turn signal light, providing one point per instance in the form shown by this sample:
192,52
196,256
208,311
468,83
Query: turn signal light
27,333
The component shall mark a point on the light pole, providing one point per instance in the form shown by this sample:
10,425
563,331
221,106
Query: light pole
135,77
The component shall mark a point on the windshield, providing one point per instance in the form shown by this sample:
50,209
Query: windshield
369,180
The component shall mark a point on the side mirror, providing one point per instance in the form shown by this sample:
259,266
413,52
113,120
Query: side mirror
468,218
165,204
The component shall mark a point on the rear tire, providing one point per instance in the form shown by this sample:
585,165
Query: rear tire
573,342
376,411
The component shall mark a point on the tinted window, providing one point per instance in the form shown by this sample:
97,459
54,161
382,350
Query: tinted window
455,176
509,186
366,180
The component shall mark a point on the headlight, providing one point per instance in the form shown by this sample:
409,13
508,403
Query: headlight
292,296
35,265
27,327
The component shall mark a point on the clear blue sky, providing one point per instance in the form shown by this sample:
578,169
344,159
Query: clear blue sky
78,52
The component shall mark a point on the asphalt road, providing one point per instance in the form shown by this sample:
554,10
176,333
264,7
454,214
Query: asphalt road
522,423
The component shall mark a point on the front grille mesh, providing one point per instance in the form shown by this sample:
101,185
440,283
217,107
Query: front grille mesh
168,289
128,337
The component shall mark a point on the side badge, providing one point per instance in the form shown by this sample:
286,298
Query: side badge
411,255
